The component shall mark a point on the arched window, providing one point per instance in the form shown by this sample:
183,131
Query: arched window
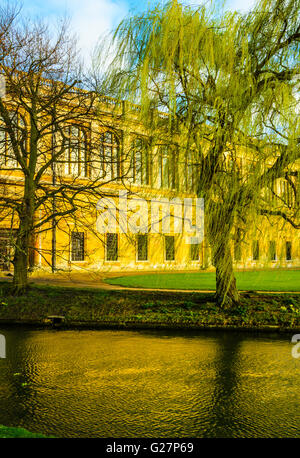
76,152
109,156
290,189
166,167
140,161
7,154
190,171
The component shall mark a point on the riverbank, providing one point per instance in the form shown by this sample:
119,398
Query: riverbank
90,308
12,432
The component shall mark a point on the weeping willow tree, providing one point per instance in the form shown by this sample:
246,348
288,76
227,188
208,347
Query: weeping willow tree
227,84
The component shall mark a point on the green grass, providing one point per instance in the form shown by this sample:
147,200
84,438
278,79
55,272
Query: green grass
154,309
7,433
281,280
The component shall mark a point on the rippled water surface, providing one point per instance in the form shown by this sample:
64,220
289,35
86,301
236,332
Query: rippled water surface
149,384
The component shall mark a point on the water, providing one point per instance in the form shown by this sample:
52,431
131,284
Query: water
149,384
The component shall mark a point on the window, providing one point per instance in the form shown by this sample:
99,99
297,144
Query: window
6,248
169,248
288,251
7,154
112,247
255,250
190,169
142,247
140,162
287,192
290,189
166,168
272,250
76,152
195,252
110,156
77,246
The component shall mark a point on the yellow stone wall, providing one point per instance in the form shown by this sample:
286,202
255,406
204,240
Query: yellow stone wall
264,230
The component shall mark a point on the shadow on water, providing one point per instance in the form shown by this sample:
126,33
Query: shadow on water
226,385
149,384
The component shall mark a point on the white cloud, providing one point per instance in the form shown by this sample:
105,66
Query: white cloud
89,19
92,19
240,5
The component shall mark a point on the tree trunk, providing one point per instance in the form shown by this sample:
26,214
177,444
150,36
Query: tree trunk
227,294
20,280
24,236
219,229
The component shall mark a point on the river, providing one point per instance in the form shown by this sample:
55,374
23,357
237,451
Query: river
108,383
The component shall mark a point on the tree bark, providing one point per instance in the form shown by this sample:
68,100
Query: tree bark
227,293
20,280
24,237
219,229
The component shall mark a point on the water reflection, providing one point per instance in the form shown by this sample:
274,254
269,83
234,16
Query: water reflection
224,406
143,384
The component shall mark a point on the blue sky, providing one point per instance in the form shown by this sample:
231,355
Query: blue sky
91,19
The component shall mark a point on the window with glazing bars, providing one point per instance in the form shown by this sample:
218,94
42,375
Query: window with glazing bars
112,248
142,247
77,246
272,250
195,252
140,162
166,167
169,248
110,156
190,172
288,251
287,192
7,154
76,152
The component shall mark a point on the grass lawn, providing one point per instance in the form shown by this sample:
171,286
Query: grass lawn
280,280
155,309
7,433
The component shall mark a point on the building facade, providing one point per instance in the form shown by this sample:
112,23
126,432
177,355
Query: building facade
126,163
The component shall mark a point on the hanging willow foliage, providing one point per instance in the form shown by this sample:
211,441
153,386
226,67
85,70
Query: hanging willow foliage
228,85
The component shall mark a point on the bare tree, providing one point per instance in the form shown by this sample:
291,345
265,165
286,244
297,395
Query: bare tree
51,163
